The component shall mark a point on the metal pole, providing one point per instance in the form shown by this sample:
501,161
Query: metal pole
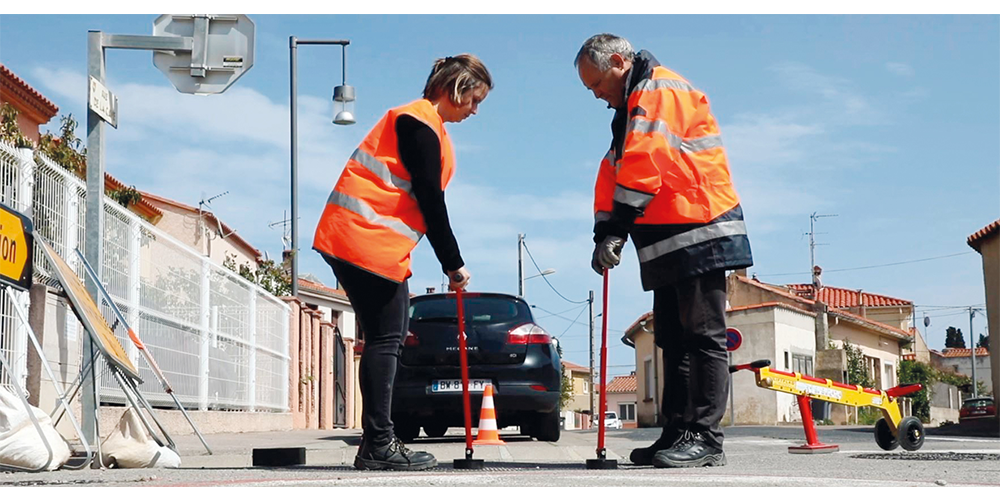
590,303
94,227
972,344
520,266
293,104
732,398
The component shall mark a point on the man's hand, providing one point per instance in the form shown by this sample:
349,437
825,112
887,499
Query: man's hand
607,254
459,279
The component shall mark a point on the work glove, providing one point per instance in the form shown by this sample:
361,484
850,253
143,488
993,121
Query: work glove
607,254
459,279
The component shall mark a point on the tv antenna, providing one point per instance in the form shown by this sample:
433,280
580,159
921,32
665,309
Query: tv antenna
208,203
812,238
286,239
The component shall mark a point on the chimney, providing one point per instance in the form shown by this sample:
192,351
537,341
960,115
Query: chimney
861,304
817,282
822,328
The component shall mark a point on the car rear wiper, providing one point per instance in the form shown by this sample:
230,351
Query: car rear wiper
438,319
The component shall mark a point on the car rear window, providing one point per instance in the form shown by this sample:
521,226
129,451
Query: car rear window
477,310
977,403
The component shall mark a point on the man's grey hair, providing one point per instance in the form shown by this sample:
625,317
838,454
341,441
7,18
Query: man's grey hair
599,49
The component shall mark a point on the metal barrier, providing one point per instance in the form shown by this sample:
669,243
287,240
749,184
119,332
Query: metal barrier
221,340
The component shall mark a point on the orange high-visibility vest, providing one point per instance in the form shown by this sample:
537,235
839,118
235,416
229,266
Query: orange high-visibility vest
673,165
372,219
665,181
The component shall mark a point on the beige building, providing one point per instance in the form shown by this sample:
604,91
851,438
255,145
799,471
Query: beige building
202,231
799,328
986,241
576,413
622,399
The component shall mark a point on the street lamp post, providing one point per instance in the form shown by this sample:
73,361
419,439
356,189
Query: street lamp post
342,94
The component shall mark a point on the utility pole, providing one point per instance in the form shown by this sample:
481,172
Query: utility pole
812,239
520,266
590,303
972,338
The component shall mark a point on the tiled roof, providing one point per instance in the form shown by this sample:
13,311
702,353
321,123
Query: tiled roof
771,304
143,207
782,291
319,287
976,239
637,323
842,297
35,98
951,352
622,384
872,324
575,367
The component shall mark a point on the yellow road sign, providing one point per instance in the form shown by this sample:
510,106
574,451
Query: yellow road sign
16,248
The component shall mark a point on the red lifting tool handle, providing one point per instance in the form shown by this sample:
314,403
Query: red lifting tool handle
463,356
902,390
601,453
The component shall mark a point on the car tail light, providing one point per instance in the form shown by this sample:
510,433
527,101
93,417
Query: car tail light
528,333
990,409
411,340
539,388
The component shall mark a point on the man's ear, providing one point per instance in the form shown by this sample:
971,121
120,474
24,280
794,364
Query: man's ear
617,61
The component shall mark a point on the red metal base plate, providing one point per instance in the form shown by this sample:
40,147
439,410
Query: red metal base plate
812,449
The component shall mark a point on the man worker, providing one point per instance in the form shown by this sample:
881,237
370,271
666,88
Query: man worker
665,182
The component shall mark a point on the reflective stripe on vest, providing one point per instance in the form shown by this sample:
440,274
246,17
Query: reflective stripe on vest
601,216
361,208
692,237
648,84
381,170
644,126
631,197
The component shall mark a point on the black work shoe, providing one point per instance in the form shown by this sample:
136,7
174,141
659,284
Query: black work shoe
392,456
691,451
644,456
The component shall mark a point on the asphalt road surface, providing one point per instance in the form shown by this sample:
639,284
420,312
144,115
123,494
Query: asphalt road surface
757,456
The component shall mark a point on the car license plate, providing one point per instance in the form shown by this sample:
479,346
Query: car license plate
475,385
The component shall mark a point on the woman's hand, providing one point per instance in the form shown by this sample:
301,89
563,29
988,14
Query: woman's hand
459,279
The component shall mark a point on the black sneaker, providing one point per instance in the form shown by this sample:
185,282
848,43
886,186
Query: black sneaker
690,451
392,456
644,456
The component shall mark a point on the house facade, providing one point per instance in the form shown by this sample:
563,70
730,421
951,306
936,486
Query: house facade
986,241
576,412
800,328
621,398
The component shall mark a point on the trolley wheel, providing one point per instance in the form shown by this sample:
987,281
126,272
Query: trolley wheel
435,430
884,437
911,434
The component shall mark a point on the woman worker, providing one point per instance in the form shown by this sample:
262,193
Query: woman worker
390,194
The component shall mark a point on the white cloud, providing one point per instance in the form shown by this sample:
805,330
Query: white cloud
900,69
71,85
836,91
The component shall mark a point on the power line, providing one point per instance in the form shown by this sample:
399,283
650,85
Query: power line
872,267
561,312
572,322
532,257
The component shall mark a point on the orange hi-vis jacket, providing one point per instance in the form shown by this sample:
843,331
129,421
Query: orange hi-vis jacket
372,219
666,182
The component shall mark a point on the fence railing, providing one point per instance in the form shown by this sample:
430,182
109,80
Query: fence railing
221,341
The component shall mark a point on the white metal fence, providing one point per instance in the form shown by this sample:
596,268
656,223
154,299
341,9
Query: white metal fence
221,341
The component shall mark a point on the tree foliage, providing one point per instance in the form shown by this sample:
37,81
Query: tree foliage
984,341
269,275
67,150
9,131
954,338
566,388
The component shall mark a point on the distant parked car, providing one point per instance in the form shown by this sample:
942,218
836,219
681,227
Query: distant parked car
506,348
977,408
611,420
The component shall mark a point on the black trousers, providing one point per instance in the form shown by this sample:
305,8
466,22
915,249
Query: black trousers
382,307
690,326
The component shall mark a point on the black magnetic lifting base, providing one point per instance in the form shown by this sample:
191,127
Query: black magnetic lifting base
468,464
602,463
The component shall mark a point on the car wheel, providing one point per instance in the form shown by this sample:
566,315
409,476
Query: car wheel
406,431
883,436
546,428
911,434
435,430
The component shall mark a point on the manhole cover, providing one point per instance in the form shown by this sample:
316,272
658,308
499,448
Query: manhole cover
954,457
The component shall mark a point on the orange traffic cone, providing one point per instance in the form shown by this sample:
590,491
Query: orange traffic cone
488,433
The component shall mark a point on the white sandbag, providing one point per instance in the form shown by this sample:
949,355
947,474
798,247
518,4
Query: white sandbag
20,444
131,447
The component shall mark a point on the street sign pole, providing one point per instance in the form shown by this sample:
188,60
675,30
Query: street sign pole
95,229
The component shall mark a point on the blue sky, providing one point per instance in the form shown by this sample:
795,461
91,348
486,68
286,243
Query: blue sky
890,122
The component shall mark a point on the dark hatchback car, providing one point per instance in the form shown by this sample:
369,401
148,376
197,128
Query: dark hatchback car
505,348
977,408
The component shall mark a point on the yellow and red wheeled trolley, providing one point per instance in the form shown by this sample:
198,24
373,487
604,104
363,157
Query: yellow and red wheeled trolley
891,431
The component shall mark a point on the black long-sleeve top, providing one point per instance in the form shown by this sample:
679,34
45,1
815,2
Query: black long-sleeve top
420,151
